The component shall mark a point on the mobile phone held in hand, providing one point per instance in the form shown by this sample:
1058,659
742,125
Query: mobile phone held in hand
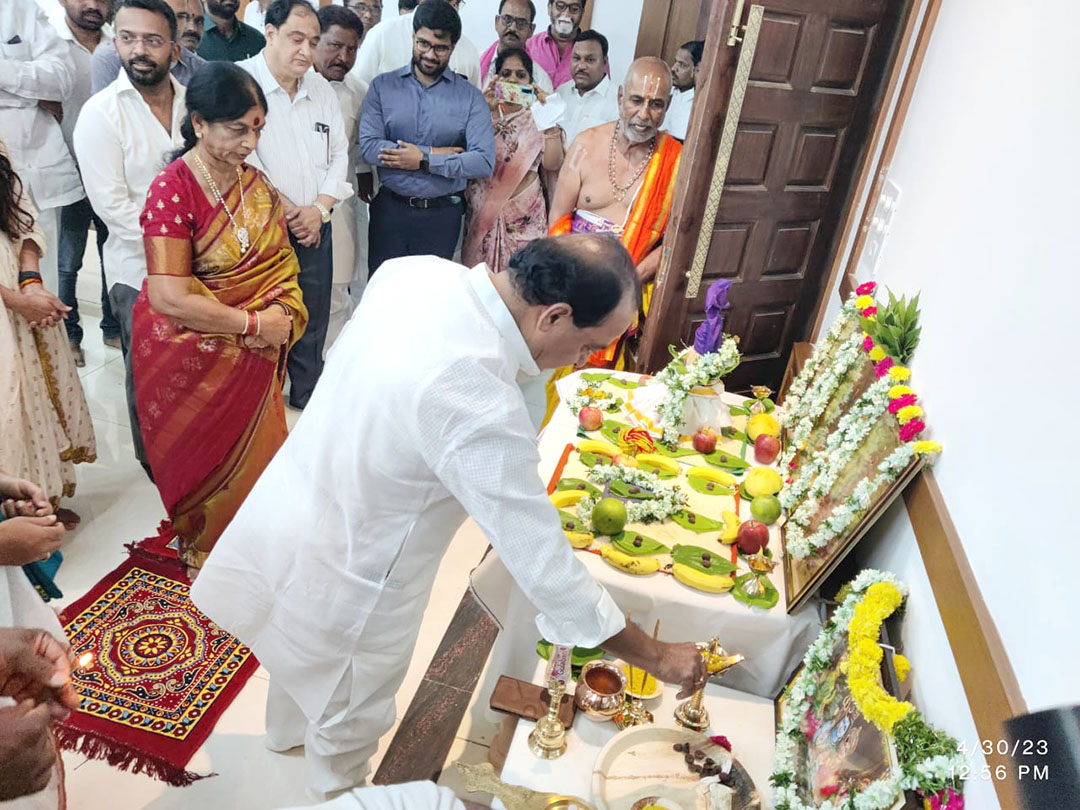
513,93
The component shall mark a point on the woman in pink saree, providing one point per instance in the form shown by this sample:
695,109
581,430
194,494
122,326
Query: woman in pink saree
508,210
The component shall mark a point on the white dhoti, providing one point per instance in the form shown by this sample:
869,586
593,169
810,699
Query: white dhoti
340,741
350,228
410,796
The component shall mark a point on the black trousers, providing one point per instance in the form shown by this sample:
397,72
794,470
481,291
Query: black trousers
396,229
122,300
75,222
316,281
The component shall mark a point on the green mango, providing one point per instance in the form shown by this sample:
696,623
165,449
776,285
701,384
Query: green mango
577,483
571,523
766,600
627,542
610,430
728,461
592,459
699,523
703,486
620,489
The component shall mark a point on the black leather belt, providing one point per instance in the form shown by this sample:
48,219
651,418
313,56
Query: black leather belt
425,202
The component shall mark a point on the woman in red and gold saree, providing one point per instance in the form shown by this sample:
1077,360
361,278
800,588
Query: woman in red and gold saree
215,320
508,210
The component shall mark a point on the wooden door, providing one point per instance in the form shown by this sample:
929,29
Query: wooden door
813,93
666,24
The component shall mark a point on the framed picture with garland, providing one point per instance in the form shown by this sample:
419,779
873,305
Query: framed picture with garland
854,437
844,740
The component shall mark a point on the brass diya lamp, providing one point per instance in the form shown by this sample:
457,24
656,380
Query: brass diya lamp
548,739
601,690
761,566
692,713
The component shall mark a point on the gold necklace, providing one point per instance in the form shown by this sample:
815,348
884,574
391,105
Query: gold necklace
242,235
620,191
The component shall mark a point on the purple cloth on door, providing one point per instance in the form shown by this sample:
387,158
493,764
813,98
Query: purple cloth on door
711,332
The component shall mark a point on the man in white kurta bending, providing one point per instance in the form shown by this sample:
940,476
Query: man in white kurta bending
327,568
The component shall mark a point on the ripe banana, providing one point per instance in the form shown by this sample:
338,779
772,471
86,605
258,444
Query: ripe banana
657,460
599,447
579,539
731,527
711,474
638,566
567,497
710,583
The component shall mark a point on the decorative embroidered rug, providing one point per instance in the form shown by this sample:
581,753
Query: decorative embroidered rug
162,674
161,546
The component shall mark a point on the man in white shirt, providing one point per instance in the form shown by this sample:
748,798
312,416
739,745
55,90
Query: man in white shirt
304,152
408,796
591,98
684,72
389,46
81,25
342,33
329,586
514,24
36,75
123,140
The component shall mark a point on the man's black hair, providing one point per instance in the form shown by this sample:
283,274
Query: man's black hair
340,16
440,17
155,6
695,48
279,10
593,36
532,8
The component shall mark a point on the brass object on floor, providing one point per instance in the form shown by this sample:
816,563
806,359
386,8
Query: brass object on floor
482,779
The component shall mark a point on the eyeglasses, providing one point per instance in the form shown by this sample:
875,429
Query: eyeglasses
365,8
510,21
152,42
573,8
424,46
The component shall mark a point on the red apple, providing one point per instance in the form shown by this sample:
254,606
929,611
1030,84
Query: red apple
766,448
753,536
590,418
705,441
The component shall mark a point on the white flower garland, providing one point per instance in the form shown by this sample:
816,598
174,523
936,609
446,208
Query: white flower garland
707,369
791,409
590,394
878,795
669,498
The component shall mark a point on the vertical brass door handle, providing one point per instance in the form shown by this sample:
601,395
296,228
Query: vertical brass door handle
727,143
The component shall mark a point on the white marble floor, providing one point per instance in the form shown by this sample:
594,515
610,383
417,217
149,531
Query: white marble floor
119,505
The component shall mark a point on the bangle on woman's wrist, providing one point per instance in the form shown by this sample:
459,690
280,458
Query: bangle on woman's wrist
258,324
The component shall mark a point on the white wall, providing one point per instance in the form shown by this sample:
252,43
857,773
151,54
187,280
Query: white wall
618,20
988,170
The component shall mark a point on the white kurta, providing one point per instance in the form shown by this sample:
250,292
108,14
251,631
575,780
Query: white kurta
677,119
340,538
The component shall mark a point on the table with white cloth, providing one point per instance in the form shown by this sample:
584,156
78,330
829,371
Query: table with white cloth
773,642
746,720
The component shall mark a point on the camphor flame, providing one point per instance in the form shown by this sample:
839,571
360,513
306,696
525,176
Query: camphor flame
84,662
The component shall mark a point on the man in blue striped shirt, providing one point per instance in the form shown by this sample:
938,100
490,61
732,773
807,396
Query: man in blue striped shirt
428,130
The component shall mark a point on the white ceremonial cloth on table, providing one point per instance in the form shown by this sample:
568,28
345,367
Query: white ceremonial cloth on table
389,46
356,509
122,147
302,148
410,796
748,722
773,642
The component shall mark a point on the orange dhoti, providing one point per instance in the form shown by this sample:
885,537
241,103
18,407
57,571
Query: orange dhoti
640,235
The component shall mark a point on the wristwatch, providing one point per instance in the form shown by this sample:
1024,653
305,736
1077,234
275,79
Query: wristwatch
425,164
322,210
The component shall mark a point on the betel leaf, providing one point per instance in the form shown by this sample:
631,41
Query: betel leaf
579,656
706,487
675,452
703,560
621,489
626,385
737,435
696,522
595,377
592,459
636,544
766,600
611,428
571,523
728,461
577,483
659,472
